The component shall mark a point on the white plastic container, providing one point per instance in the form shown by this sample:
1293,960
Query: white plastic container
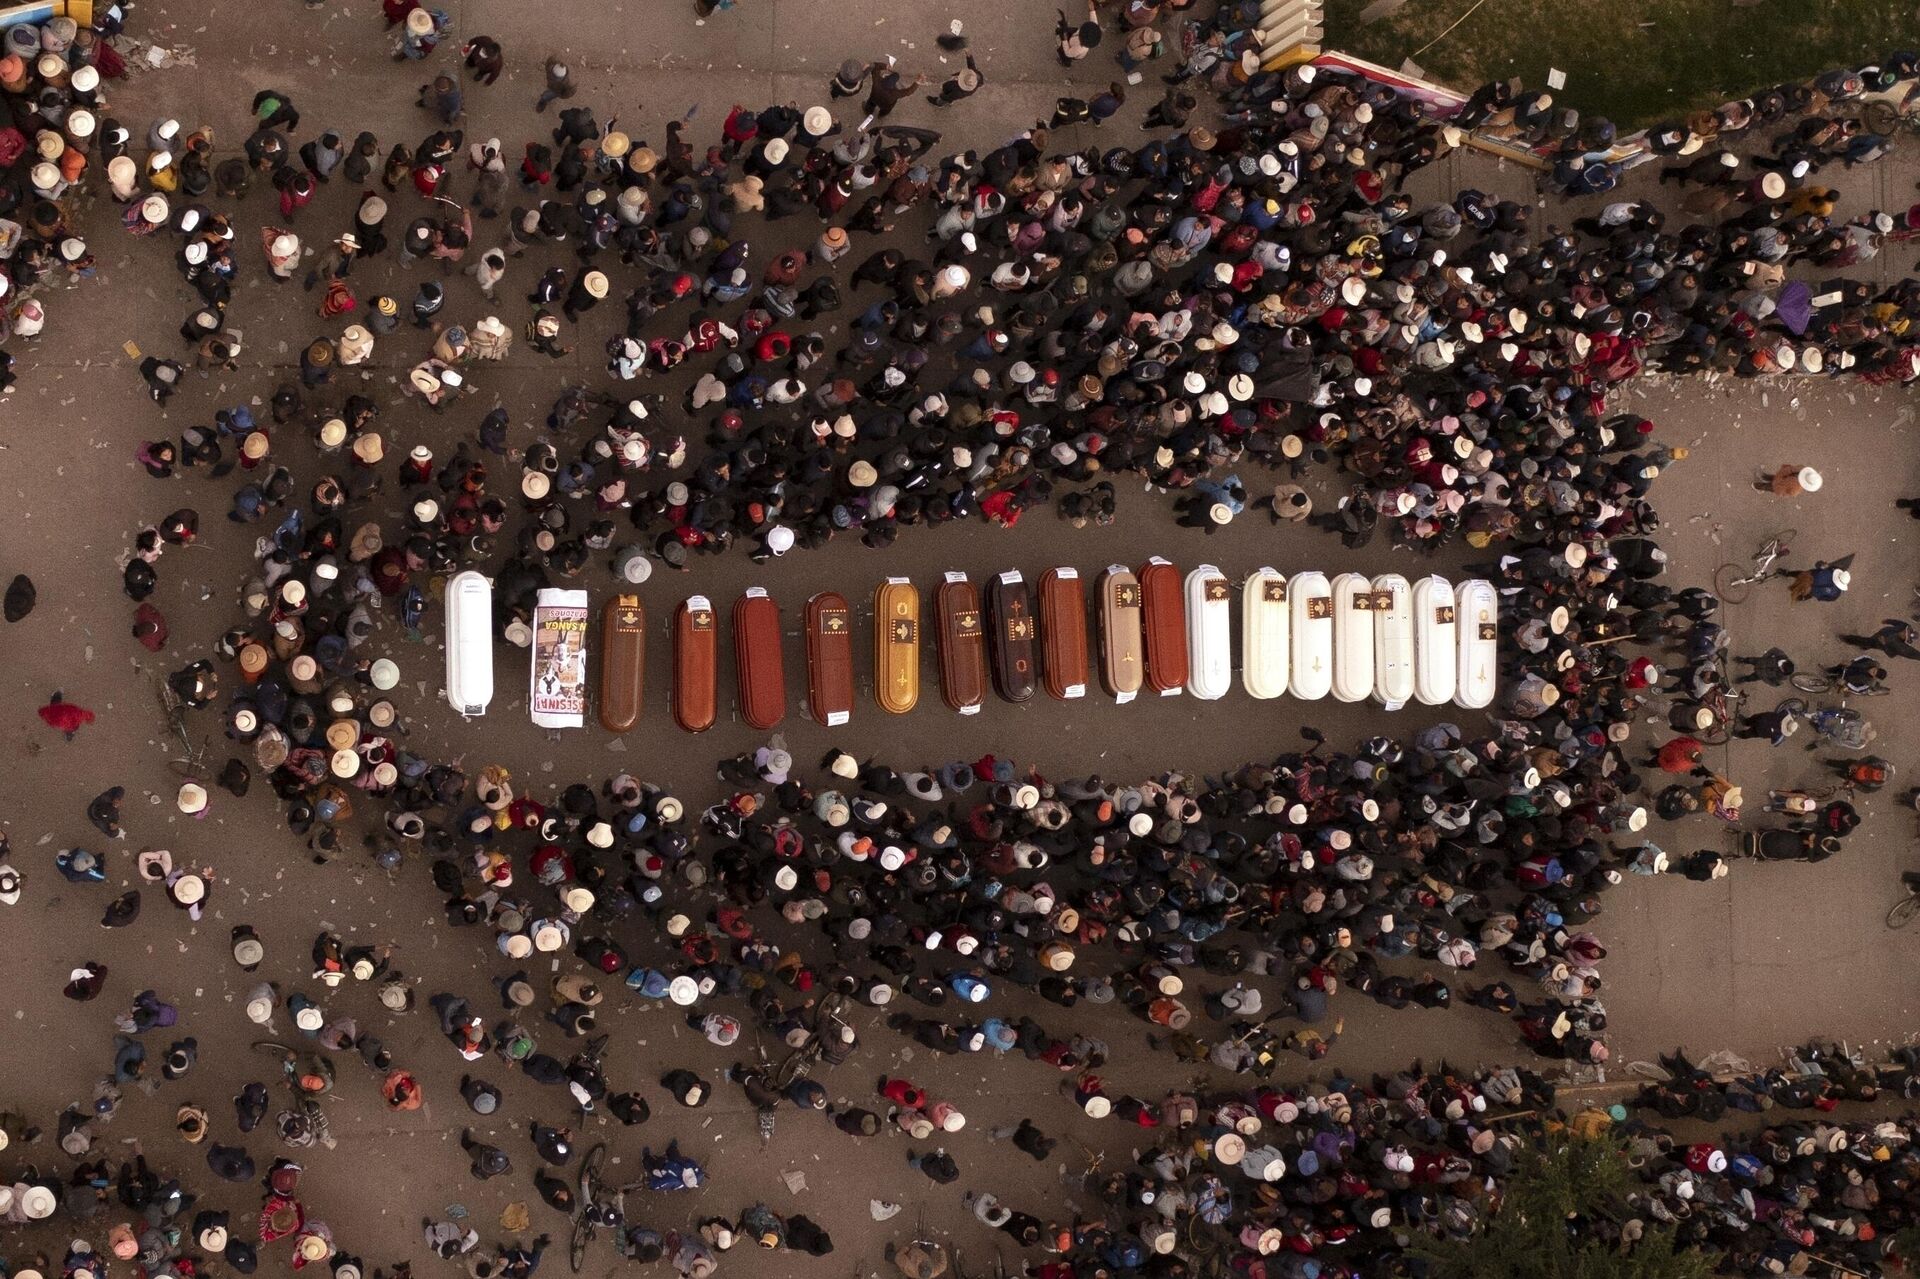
1392,641
1436,650
469,606
1479,639
1266,636
1352,637
1311,618
1209,633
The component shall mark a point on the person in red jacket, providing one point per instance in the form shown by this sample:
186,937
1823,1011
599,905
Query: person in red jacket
1681,756
65,716
902,1093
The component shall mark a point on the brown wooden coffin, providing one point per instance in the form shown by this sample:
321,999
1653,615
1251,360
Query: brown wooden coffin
962,640
1063,633
696,663
1010,636
829,626
1163,610
759,670
1122,642
623,655
896,645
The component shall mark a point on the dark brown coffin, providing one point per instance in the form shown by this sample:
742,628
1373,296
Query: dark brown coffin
1163,608
1063,633
1122,642
759,670
623,657
896,645
1010,627
696,662
962,640
829,659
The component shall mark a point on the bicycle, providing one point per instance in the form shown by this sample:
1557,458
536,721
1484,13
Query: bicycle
1803,804
588,1058
1907,907
1824,682
1733,587
309,1077
1721,701
1841,726
592,1212
191,766
1888,118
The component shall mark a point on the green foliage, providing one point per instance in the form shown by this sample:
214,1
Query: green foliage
1635,61
1537,1232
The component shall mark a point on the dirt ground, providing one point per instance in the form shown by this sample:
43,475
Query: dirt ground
1771,955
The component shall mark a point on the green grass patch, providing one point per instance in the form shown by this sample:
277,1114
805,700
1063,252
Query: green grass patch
1633,61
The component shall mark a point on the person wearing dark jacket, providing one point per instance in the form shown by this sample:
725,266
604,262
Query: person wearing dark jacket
486,1162
937,1164
554,1144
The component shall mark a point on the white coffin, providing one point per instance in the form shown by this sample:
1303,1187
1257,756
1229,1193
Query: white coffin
1392,641
1311,617
1209,633
1436,651
469,605
1478,608
1266,634
1352,637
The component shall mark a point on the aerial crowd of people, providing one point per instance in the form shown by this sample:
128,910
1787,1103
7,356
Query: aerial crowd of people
820,327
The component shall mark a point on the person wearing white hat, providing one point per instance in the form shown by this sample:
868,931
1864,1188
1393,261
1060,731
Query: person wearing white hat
1790,480
46,180
34,1202
123,178
283,252
192,799
589,288
1823,582
959,86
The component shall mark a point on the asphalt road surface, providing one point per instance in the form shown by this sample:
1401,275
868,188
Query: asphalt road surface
1770,955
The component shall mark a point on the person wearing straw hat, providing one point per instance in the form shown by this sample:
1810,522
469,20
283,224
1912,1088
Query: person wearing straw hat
1823,582
586,292
959,86
283,251
543,334
188,891
192,800
419,34
1790,480
335,263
